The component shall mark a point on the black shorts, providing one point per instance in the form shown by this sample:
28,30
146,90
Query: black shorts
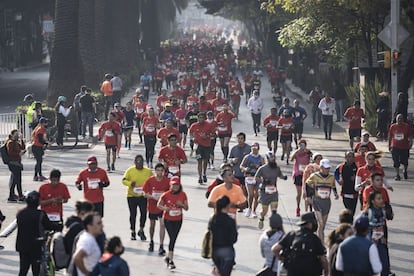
297,180
285,138
298,128
400,156
183,129
354,133
272,136
203,152
213,145
155,216
99,208
224,135
112,147
310,192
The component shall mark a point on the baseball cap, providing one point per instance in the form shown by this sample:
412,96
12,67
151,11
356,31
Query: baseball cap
167,104
256,145
361,223
306,217
316,154
175,180
275,221
269,154
365,133
43,120
92,159
325,163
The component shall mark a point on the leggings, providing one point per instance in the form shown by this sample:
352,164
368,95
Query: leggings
38,155
15,180
327,125
173,228
150,142
60,133
133,203
28,259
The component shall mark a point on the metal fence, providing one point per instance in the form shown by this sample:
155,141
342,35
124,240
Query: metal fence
10,121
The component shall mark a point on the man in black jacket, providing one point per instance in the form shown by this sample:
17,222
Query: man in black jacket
31,226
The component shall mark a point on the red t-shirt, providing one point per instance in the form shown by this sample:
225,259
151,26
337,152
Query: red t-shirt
180,115
170,200
156,188
223,120
39,130
164,132
271,122
365,172
370,189
161,101
400,135
199,130
360,160
191,100
140,108
48,191
149,125
119,116
205,106
110,131
218,105
91,189
286,124
354,116
169,156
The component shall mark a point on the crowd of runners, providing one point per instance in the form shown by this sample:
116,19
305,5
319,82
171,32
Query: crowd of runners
200,86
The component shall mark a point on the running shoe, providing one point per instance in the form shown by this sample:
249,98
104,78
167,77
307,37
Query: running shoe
248,213
397,178
204,178
254,215
298,212
133,236
171,265
405,175
200,180
35,178
161,251
42,178
191,153
11,200
108,169
151,246
21,199
167,260
261,223
212,167
113,166
141,235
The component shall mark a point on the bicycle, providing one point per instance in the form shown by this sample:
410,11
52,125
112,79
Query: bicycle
47,267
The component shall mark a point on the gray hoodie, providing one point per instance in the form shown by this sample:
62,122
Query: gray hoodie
266,244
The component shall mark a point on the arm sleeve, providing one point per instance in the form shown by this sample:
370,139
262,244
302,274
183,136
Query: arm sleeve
374,259
339,264
357,183
337,174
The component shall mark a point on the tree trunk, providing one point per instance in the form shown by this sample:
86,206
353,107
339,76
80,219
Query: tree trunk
66,73
150,26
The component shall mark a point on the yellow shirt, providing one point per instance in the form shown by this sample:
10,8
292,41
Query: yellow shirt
139,176
322,185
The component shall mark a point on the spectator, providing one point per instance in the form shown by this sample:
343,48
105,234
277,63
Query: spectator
62,112
38,147
15,149
335,237
106,89
116,83
111,263
340,96
383,115
315,97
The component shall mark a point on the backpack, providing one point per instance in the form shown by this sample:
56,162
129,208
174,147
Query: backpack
4,154
300,254
60,257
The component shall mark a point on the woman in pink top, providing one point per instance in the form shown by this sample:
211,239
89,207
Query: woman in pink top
300,158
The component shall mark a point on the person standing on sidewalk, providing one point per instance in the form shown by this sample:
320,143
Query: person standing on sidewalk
110,131
354,115
399,144
153,188
106,89
134,178
172,203
38,147
61,112
87,109
315,97
15,149
345,174
94,179
116,83
340,96
327,106
256,105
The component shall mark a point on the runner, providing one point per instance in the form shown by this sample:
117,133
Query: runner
172,157
286,126
110,131
191,118
204,105
213,123
236,92
182,124
365,141
354,115
166,131
202,132
134,178
162,100
128,125
218,103
92,180
172,203
224,129
256,105
345,176
219,179
167,114
120,118
39,145
300,116
140,106
323,183
272,135
249,166
306,190
300,160
150,124
267,176
153,188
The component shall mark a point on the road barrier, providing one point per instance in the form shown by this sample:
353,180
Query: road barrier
10,121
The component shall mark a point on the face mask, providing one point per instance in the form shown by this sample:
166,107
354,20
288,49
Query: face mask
302,146
210,120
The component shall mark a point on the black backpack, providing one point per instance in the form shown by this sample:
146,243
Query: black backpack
4,154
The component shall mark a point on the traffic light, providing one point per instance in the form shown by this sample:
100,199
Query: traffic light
385,58
396,58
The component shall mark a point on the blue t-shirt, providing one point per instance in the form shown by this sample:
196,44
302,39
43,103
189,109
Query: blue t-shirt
299,114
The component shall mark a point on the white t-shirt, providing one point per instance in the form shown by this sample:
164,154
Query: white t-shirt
88,244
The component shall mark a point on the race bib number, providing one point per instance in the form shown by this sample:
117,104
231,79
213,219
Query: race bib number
93,184
399,136
222,128
173,170
138,191
146,87
324,193
270,189
219,108
156,194
150,128
182,121
286,126
297,114
256,87
302,168
273,123
109,133
236,92
140,110
54,217
184,87
377,233
204,77
250,180
174,212
348,196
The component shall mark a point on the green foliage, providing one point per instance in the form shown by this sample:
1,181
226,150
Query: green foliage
371,96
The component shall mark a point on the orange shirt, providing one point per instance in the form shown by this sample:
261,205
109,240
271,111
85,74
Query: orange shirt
140,108
49,191
90,180
354,117
106,88
223,120
235,194
109,131
218,105
39,130
271,122
365,171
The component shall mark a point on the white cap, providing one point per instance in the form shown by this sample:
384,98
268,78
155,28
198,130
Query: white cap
365,133
325,163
